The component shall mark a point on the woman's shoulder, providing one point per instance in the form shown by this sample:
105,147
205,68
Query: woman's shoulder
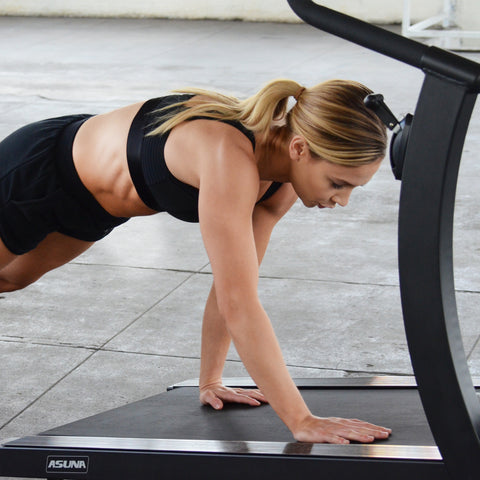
210,151
213,137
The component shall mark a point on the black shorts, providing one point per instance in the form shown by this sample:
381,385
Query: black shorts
40,191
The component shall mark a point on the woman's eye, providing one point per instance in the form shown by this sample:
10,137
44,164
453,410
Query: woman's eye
336,186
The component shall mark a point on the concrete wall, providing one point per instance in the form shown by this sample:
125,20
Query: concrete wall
382,11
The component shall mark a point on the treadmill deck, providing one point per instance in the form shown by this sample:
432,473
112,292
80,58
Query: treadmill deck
174,424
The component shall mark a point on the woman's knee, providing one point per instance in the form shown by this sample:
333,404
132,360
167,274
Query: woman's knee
8,285
6,256
6,259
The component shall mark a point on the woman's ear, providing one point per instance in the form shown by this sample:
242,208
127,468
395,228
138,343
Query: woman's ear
298,147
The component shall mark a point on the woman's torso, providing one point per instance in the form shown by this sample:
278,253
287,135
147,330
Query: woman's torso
100,157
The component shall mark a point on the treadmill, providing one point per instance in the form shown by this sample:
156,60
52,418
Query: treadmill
435,416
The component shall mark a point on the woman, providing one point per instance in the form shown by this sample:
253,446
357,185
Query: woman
67,182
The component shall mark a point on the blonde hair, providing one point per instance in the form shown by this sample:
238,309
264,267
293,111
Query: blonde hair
330,116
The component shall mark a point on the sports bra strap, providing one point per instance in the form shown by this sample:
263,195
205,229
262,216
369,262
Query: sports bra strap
134,157
270,191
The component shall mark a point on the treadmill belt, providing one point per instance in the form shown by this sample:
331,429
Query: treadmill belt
177,414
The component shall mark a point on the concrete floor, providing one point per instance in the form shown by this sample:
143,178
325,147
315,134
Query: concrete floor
123,321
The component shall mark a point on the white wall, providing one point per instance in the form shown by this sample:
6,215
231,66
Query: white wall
468,14
382,11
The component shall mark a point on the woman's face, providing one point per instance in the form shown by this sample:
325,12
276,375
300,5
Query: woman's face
322,184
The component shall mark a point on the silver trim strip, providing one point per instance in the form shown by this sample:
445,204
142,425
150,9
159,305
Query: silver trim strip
400,452
378,381
329,382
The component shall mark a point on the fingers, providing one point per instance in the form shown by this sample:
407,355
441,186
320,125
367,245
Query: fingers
370,429
358,431
251,393
209,398
216,396
253,398
340,431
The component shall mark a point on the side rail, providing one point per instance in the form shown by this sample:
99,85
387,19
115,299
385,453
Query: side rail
427,201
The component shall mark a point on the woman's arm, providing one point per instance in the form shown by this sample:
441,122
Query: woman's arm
229,183
215,337
215,344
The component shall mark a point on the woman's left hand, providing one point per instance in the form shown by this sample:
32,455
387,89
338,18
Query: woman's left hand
217,394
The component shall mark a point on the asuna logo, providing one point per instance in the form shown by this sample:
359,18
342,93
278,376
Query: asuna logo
67,464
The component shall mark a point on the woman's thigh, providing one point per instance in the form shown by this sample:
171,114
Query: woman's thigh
54,251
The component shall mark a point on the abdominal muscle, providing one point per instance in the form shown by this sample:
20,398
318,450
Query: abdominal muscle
100,158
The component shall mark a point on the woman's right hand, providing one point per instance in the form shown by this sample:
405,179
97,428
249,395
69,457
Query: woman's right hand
338,430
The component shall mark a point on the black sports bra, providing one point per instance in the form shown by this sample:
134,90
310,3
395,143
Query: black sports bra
155,184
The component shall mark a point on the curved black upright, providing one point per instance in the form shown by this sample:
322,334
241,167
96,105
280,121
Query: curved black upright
426,273
425,234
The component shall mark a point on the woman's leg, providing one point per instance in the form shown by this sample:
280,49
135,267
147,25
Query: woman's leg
18,271
6,256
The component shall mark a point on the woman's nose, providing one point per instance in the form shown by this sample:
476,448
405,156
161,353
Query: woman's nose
342,198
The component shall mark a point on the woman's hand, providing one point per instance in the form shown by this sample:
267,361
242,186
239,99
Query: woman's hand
338,430
217,394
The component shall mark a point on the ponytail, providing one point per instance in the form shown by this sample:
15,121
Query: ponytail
270,104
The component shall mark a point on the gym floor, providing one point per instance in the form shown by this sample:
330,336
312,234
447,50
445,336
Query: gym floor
122,322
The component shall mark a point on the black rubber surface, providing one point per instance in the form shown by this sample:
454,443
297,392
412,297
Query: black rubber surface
178,414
